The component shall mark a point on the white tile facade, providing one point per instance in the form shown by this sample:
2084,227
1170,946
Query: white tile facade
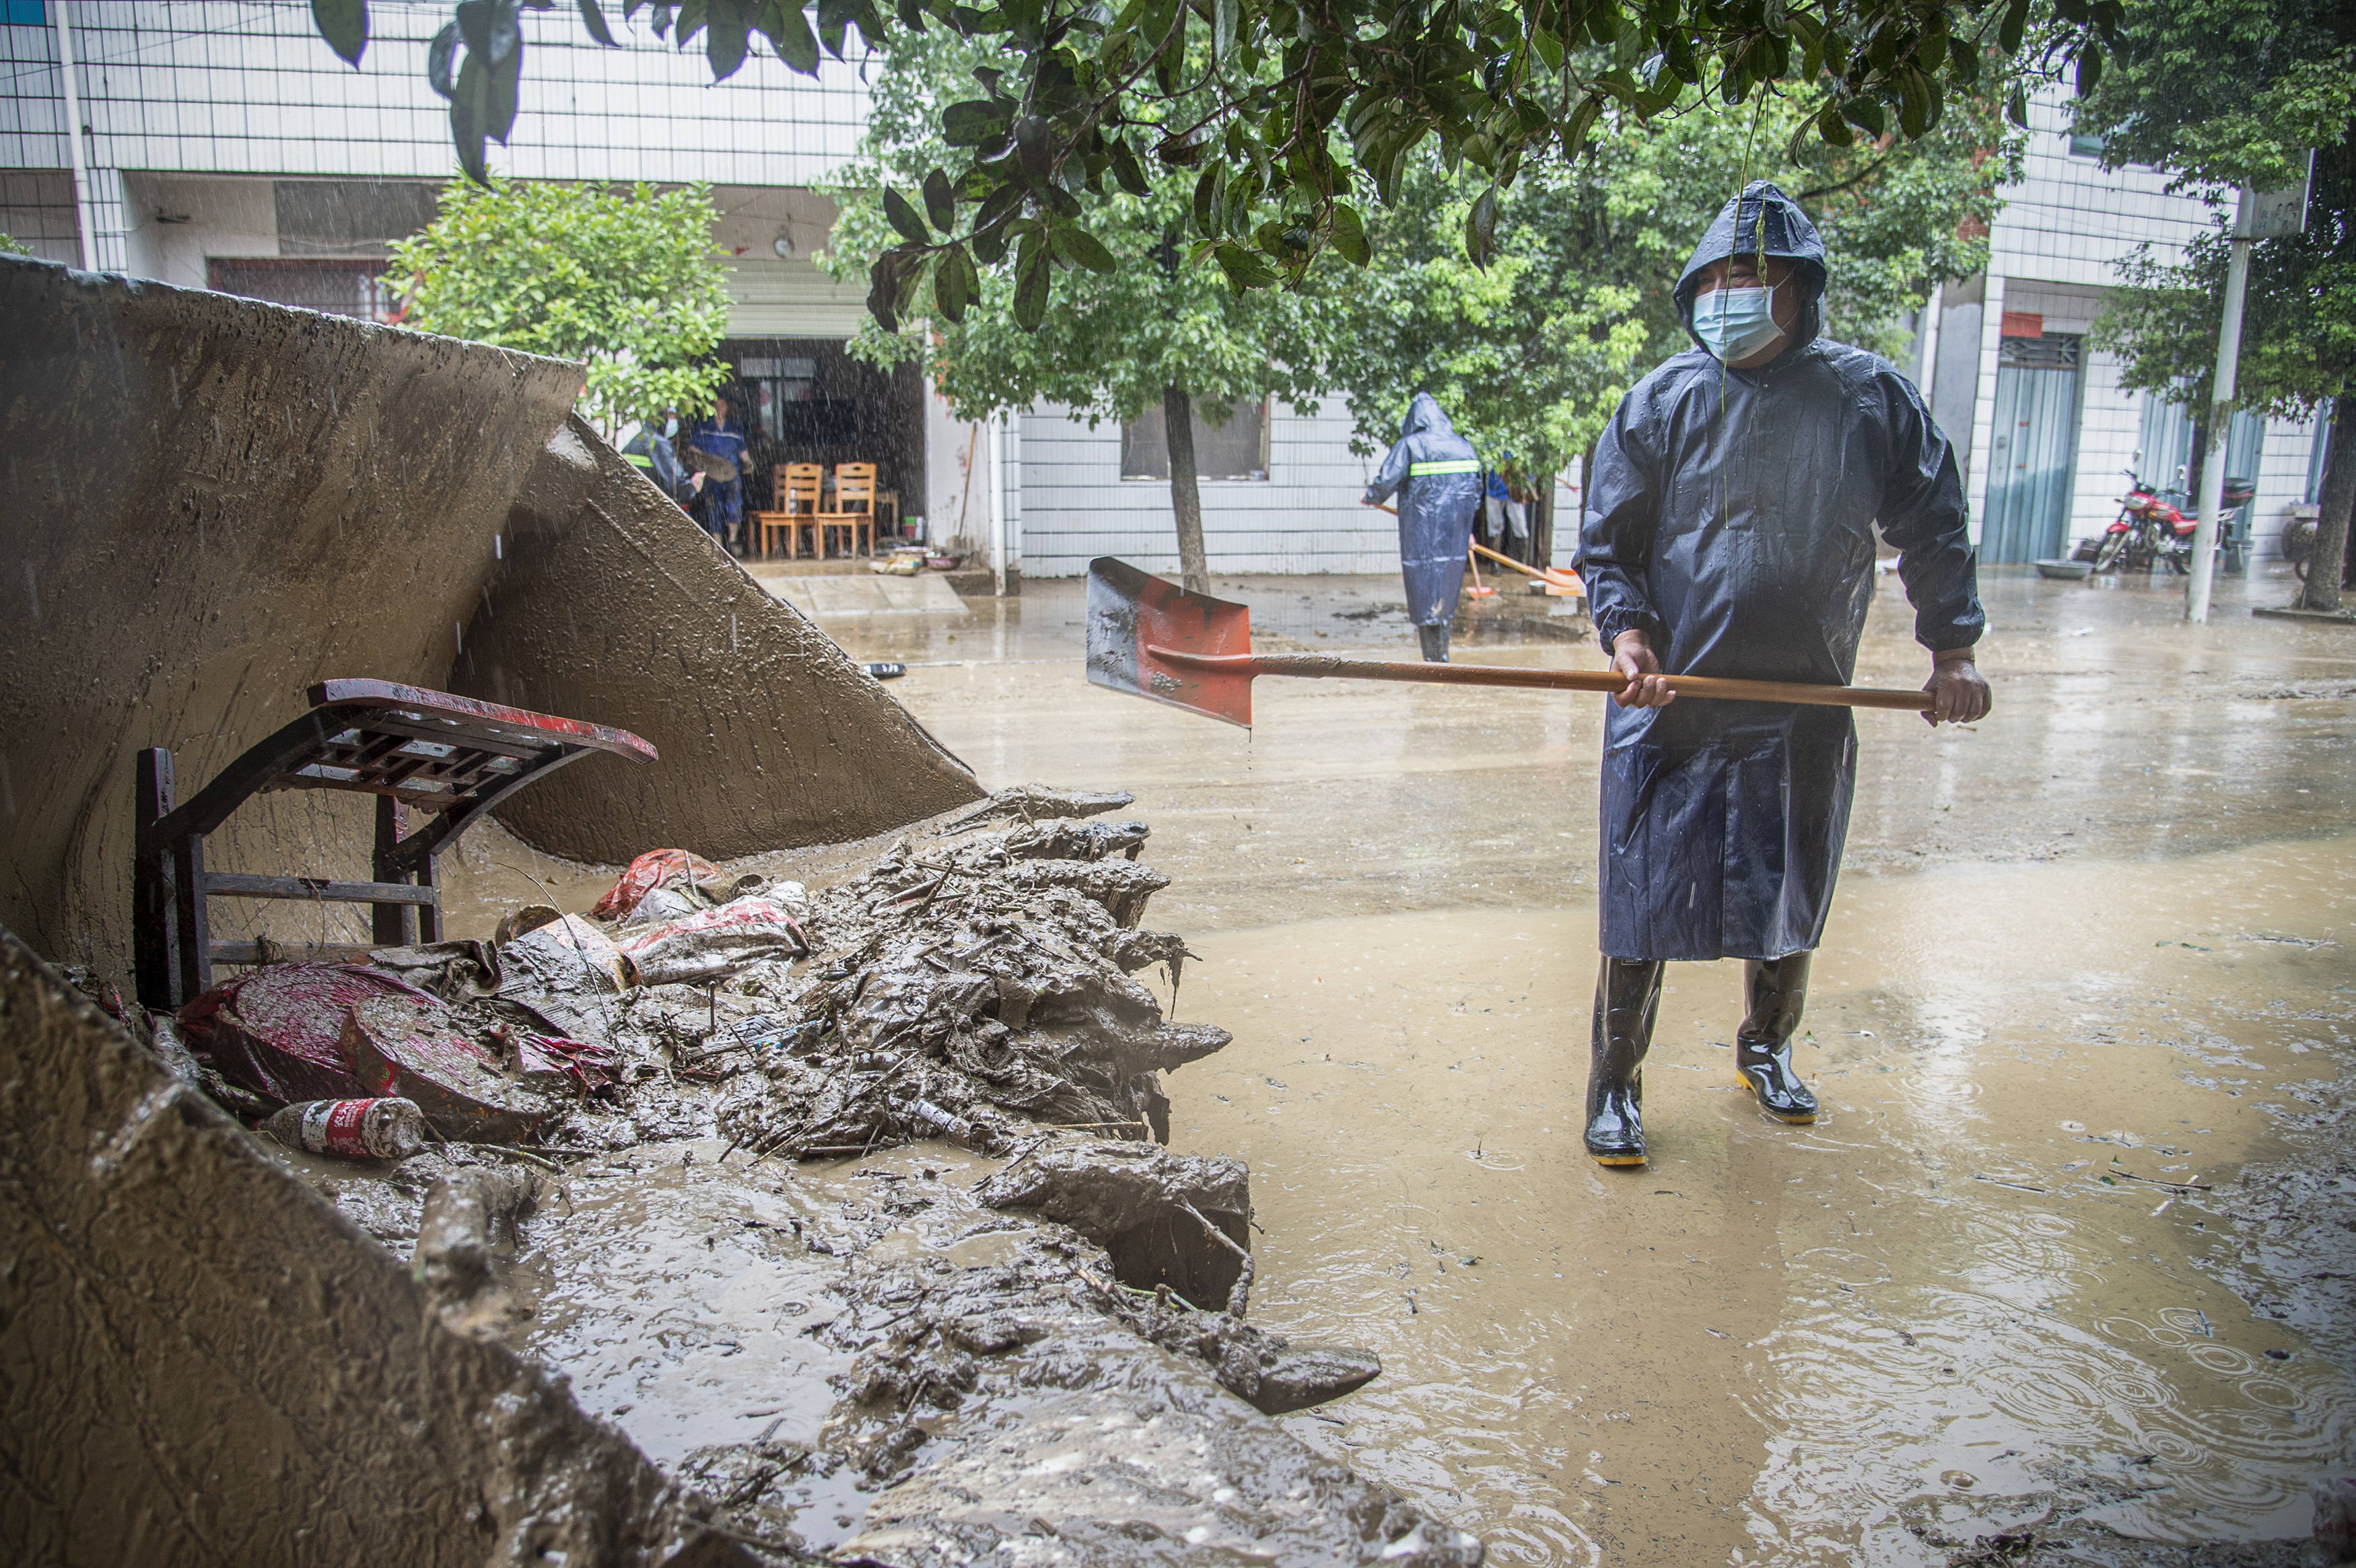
2052,252
1303,518
225,87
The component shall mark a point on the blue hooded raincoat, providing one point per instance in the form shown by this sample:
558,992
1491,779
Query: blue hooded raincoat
1437,476
1731,515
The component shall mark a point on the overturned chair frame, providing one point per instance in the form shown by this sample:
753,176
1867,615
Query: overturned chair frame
405,745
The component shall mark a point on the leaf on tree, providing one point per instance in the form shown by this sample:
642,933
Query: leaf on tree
1083,248
2015,23
1126,171
594,20
1030,284
974,122
789,34
729,27
1245,270
440,56
345,24
833,16
955,283
1348,235
941,201
903,217
884,290
2090,69
1481,230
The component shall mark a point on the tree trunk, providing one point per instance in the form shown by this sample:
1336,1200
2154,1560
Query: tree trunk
1185,490
2333,506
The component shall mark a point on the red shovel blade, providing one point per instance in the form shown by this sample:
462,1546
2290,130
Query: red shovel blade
1130,613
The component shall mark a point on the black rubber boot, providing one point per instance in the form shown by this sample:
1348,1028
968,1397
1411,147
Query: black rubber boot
1627,995
1773,994
1435,642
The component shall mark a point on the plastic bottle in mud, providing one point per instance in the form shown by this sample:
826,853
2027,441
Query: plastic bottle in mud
350,1129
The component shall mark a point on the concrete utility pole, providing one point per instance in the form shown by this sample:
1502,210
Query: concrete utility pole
997,506
2258,215
83,217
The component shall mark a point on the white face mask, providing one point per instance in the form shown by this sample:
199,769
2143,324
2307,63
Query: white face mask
1735,324
671,428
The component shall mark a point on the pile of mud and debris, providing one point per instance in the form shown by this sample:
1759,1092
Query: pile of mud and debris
976,985
635,1140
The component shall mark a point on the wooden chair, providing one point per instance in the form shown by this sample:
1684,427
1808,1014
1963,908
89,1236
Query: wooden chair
854,511
797,493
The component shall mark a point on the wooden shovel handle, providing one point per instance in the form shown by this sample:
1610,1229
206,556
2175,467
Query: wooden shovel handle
1326,666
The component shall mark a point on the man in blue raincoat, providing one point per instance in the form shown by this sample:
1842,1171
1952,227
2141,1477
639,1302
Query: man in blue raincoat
1728,531
1438,477
718,445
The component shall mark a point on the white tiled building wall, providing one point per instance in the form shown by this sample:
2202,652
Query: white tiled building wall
230,87
2052,250
1303,518
225,86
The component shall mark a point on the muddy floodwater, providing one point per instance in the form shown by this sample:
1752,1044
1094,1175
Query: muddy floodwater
2071,1239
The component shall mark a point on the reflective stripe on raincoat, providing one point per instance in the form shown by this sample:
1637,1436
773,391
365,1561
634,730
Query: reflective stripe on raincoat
1730,516
1437,475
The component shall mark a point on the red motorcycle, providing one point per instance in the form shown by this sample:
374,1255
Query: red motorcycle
2149,530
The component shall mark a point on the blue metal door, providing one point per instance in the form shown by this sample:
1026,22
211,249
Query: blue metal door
2033,448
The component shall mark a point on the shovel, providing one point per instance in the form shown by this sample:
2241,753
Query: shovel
1154,639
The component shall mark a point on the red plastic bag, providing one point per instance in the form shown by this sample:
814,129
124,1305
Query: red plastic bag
279,1029
713,943
654,869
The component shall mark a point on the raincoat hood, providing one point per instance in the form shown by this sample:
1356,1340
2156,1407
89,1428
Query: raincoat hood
1763,220
1425,417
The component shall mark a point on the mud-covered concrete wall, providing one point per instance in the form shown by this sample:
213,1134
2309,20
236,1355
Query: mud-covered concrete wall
208,505
610,603
203,1362
211,504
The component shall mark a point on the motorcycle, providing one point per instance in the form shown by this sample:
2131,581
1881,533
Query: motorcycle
2298,549
2149,530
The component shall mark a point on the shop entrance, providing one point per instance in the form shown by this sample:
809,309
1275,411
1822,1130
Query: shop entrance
806,400
2035,447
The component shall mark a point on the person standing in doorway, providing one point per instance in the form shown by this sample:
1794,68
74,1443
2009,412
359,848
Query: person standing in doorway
718,446
1437,477
1728,531
651,452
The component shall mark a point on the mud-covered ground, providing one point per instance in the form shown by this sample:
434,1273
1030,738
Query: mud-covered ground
2067,1256
870,1237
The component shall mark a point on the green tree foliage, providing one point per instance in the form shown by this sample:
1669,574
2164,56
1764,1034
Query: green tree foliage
624,280
1531,354
12,246
1296,114
1138,326
2225,94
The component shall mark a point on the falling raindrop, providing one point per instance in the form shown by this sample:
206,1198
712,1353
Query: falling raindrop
458,634
732,625
498,551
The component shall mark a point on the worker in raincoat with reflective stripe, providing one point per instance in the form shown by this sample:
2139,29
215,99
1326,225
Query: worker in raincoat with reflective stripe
1437,475
1728,531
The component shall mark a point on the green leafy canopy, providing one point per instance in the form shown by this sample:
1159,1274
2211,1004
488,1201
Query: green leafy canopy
624,280
2225,93
1294,116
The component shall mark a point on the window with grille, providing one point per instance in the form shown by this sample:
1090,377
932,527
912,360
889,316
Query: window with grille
1234,450
335,287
